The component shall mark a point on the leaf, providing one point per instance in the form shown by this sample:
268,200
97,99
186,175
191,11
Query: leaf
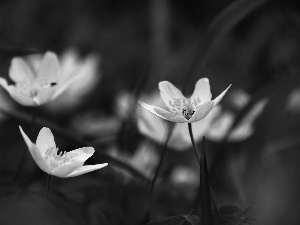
205,200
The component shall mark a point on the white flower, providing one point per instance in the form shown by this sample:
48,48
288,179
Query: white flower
37,79
182,109
83,72
155,127
67,164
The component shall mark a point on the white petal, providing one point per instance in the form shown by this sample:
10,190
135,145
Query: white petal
169,93
219,98
45,140
65,169
20,97
202,111
86,169
152,126
3,83
79,157
44,95
35,153
163,113
82,154
202,91
49,68
20,71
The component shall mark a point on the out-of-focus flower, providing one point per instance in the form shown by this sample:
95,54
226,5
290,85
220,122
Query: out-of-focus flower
145,158
293,101
182,109
37,79
85,76
125,101
221,126
155,128
67,164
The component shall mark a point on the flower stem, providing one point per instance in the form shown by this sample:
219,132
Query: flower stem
212,197
49,181
193,142
165,147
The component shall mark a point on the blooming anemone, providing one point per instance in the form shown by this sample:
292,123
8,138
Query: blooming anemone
36,78
182,109
65,164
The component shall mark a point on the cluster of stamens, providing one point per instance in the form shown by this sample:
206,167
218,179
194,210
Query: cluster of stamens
54,159
184,106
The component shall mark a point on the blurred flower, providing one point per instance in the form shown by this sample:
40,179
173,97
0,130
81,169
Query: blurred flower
155,128
83,72
65,164
37,79
144,159
182,109
293,101
125,101
221,126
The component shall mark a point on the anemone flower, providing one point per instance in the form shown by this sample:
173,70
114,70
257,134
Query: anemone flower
155,128
182,109
67,164
36,78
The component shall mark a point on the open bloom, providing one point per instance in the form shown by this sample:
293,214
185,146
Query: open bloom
156,128
182,109
65,164
37,79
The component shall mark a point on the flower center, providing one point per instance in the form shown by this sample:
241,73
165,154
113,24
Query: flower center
184,106
54,160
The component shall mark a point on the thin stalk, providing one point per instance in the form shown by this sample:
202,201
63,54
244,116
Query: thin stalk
49,181
165,147
198,158
193,142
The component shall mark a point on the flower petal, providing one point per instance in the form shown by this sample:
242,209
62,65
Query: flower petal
49,68
219,98
65,169
20,97
45,140
169,93
77,158
202,91
20,71
35,153
86,169
152,126
44,95
163,113
202,111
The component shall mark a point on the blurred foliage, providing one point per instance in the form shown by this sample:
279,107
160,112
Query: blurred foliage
253,45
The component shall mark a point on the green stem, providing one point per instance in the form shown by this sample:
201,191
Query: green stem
193,142
198,158
49,181
165,147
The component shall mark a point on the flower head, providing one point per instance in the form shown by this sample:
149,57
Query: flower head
65,164
155,128
182,109
37,79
